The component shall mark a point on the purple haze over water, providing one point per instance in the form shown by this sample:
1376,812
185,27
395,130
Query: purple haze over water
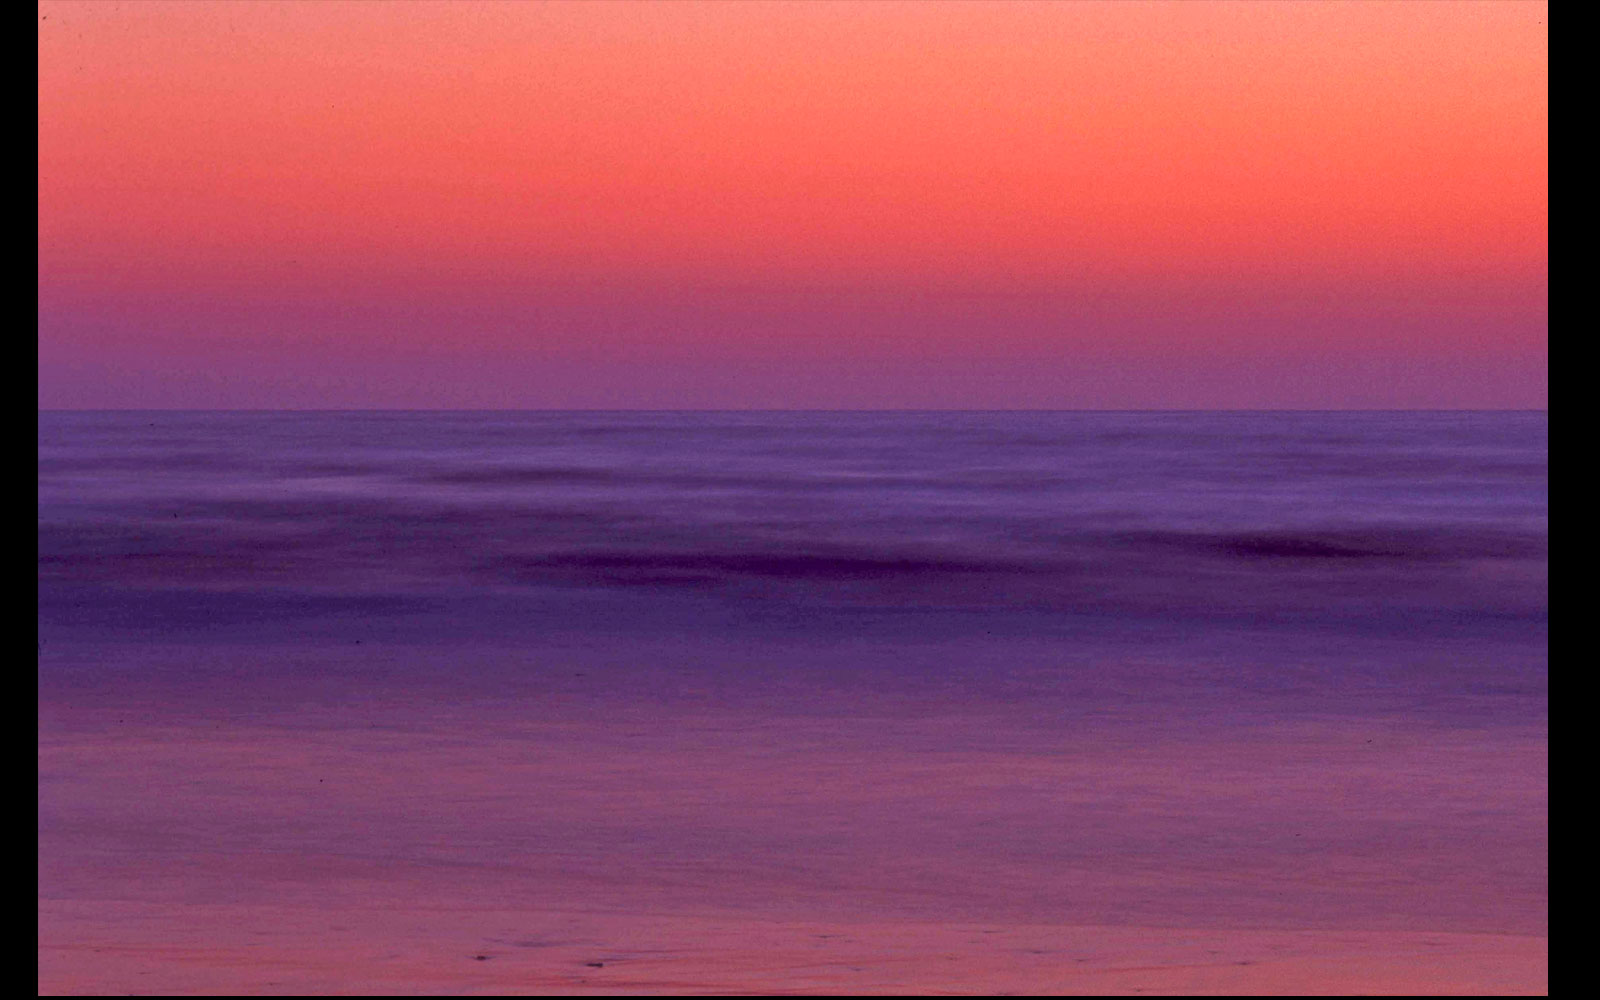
1286,530
1261,669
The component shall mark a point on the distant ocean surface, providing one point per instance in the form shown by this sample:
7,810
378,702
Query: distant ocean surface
1237,565
1425,525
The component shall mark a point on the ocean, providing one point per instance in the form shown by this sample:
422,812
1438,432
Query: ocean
1247,670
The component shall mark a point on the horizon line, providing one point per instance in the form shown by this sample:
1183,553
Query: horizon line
808,409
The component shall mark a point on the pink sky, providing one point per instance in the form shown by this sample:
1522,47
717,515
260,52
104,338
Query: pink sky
928,205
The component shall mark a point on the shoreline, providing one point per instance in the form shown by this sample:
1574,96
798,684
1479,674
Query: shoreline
198,948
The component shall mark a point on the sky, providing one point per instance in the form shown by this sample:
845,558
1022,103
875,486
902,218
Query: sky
682,205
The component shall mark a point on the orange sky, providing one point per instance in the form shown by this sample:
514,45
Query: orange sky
627,166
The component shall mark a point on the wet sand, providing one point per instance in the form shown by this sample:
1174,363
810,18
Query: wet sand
175,949
592,842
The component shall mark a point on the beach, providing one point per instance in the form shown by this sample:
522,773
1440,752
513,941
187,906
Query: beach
805,776
880,854
982,497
